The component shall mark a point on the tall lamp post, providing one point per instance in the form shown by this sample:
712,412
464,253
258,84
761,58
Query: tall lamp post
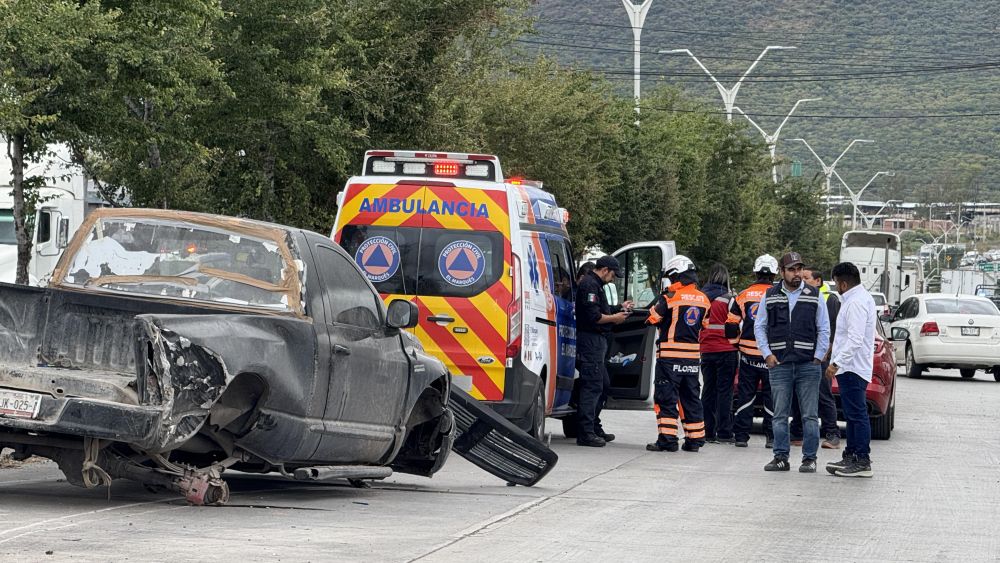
856,197
829,170
728,94
870,222
637,17
772,138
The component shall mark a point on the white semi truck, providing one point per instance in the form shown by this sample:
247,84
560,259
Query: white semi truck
877,256
63,205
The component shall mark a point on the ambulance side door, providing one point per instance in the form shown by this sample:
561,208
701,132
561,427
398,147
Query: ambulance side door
632,353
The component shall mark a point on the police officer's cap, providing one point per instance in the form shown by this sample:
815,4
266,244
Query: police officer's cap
611,263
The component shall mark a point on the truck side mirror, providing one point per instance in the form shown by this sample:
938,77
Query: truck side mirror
62,238
402,314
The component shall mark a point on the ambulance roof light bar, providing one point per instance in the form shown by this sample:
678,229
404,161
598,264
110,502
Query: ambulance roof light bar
483,167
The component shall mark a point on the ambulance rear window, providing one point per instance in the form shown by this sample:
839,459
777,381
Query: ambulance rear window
429,262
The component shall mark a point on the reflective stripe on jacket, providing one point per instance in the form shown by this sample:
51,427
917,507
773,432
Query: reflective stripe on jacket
744,307
680,314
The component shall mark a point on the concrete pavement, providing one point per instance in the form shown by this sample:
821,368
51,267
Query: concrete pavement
935,497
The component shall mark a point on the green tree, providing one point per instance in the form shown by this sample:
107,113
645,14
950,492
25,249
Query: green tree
43,46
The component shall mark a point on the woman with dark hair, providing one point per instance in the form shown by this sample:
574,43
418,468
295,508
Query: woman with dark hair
585,269
718,358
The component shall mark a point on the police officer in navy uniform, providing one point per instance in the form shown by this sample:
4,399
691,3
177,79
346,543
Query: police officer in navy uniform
594,320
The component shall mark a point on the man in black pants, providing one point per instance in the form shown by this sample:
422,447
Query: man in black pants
594,319
827,405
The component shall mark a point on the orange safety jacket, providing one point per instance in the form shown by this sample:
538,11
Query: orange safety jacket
680,314
745,308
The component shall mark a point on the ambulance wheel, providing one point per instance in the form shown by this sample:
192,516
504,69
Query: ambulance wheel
996,373
570,429
967,373
538,414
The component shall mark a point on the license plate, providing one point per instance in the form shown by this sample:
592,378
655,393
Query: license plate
19,404
970,331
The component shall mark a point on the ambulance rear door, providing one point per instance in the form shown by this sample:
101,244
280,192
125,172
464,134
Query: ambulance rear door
464,285
632,354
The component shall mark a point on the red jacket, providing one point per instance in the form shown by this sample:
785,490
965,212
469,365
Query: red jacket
713,336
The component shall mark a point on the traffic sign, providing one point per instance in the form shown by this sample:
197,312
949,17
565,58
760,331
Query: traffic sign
988,267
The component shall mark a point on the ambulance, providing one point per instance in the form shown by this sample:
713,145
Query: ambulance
488,262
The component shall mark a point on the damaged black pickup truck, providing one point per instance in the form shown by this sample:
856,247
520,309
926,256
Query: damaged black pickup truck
171,346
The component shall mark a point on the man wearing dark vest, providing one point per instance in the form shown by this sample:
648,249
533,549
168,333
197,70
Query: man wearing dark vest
793,335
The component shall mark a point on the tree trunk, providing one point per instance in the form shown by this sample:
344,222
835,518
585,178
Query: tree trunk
15,150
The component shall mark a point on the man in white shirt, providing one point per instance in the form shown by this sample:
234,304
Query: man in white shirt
851,363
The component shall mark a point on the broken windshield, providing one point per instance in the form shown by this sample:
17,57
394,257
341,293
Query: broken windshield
179,259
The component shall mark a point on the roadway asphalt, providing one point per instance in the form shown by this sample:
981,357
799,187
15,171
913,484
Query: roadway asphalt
935,497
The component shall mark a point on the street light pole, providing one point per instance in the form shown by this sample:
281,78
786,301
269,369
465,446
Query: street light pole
856,197
870,223
637,17
829,170
772,138
728,94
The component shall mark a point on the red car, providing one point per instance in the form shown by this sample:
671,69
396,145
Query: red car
881,393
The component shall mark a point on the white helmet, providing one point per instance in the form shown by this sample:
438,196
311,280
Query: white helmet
765,264
677,265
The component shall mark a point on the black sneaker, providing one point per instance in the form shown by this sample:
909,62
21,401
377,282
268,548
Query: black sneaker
690,447
607,437
769,443
741,443
778,464
808,466
658,447
845,460
593,441
711,440
726,440
831,442
860,468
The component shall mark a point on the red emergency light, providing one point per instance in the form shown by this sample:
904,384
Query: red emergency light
446,169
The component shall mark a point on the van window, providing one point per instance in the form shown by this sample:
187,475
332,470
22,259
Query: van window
431,262
560,268
642,276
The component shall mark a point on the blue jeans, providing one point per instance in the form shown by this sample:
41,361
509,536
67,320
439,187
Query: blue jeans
788,381
859,428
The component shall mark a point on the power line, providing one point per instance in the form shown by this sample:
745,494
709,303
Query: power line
765,77
818,59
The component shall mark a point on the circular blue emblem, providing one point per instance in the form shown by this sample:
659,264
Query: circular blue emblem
692,316
378,258
461,263
753,311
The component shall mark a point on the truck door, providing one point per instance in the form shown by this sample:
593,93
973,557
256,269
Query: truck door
632,353
368,365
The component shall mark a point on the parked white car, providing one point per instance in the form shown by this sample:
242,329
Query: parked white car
881,304
947,331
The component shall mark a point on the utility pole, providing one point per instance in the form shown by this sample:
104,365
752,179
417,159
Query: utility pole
772,138
637,17
728,94
829,170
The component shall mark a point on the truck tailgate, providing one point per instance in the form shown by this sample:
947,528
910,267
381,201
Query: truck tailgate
497,446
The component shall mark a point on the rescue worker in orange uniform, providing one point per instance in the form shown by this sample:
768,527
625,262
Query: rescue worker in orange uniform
679,314
753,372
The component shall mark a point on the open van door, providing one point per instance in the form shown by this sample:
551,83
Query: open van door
632,353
